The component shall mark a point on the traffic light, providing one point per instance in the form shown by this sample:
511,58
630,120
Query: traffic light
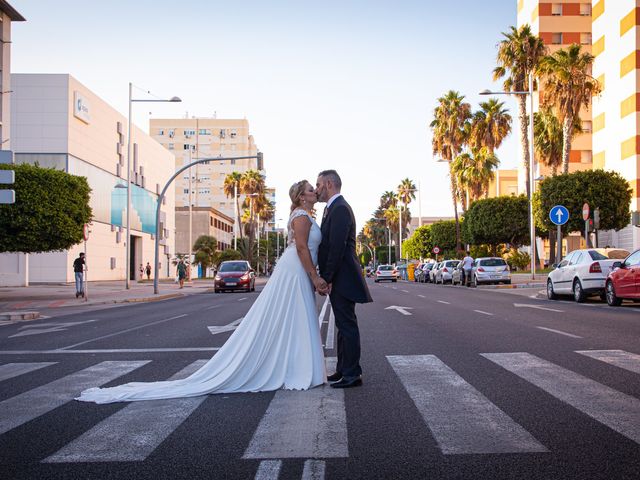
260,161
590,226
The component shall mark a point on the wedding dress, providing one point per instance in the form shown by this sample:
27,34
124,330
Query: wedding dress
277,344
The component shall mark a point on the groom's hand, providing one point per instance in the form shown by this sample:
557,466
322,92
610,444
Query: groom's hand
321,286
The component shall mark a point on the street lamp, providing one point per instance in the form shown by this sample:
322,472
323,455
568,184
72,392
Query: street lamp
532,227
127,243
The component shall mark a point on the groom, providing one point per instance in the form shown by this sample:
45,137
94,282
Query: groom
340,268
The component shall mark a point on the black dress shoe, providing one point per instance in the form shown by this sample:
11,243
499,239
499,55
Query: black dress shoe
334,377
347,382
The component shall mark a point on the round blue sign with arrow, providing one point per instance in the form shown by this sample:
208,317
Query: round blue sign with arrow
559,215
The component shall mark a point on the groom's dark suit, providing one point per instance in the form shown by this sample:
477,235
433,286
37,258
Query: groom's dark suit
339,266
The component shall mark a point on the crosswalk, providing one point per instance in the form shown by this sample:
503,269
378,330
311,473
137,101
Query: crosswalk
312,426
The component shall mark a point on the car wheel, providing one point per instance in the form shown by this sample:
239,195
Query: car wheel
394,280
610,292
551,294
216,290
253,286
507,282
375,281
603,297
578,293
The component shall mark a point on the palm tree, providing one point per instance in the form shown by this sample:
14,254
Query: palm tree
547,134
490,125
519,55
450,134
406,193
252,185
568,87
388,199
230,187
475,170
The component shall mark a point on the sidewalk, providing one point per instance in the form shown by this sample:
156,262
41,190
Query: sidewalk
25,300
521,280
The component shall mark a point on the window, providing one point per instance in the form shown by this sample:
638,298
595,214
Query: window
186,190
556,38
204,131
234,133
171,146
634,259
585,38
576,258
161,132
585,9
189,133
223,133
186,146
172,133
587,126
556,9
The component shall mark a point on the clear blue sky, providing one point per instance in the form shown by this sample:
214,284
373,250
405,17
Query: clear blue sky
349,85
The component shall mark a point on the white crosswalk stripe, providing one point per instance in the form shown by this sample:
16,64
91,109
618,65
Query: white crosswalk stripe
619,358
133,433
616,410
23,408
11,370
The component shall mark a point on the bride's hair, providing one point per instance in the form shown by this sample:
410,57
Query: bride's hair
295,192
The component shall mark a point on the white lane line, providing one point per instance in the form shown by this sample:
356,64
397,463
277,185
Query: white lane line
616,410
405,291
109,350
212,307
462,420
313,470
216,329
11,370
124,331
323,310
302,424
23,408
269,470
560,332
395,288
484,313
331,331
442,301
421,296
133,433
241,299
618,358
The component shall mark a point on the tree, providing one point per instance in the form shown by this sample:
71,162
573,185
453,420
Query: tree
569,86
230,187
229,254
474,172
450,133
520,54
421,243
608,191
493,221
50,212
206,251
252,185
443,236
547,134
490,125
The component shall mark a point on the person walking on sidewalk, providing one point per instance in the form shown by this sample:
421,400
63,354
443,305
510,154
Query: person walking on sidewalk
78,270
467,265
182,272
148,270
141,272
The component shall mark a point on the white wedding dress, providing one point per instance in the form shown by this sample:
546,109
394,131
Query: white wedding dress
277,344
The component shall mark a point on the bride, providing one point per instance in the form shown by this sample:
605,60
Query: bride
278,343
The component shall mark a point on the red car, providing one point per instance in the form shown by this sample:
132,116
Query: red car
624,280
235,275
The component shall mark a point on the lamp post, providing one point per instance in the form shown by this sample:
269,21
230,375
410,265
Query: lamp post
128,226
532,227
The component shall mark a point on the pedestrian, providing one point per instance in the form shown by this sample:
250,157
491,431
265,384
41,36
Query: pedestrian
148,270
182,272
467,265
78,269
141,277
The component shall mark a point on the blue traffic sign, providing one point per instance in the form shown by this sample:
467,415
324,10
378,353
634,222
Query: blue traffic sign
559,215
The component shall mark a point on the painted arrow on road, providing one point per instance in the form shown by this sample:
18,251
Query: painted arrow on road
537,307
46,328
402,310
225,328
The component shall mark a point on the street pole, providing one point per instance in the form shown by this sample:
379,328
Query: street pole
235,217
559,244
400,231
190,210
127,261
419,205
532,162
389,259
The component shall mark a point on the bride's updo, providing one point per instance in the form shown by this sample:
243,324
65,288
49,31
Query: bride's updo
295,194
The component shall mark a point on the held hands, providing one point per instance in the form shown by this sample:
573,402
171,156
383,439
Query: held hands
321,286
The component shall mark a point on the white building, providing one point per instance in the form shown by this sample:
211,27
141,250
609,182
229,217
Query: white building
58,122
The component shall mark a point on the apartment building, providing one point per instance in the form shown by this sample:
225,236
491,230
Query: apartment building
505,182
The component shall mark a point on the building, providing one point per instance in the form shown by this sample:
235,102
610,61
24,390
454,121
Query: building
13,267
505,182
58,122
204,221
415,222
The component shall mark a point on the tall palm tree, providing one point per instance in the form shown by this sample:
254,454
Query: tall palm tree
520,54
230,187
475,170
251,184
406,193
568,87
388,199
490,125
450,133
547,134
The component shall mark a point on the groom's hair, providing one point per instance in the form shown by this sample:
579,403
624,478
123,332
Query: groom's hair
333,176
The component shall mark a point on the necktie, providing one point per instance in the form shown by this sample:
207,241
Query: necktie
324,214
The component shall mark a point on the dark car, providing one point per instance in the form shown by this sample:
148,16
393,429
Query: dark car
235,275
622,282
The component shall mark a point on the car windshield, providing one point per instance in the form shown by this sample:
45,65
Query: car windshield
385,267
493,262
598,256
233,267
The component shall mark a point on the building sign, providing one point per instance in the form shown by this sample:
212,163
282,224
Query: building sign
81,107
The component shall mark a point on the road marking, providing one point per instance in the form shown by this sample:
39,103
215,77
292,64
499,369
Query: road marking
402,310
313,470
323,310
133,433
537,307
124,331
484,313
421,296
614,409
269,470
241,299
331,332
618,358
225,328
11,370
37,329
559,332
110,350
462,420
31,404
303,424
212,307
405,291
442,301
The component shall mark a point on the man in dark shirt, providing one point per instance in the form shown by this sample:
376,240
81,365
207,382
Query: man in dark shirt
78,269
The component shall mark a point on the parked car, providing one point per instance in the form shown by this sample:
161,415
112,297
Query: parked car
235,275
417,272
582,273
386,272
623,281
457,277
490,270
445,269
432,272
426,272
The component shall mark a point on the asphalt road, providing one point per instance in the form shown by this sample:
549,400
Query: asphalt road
458,383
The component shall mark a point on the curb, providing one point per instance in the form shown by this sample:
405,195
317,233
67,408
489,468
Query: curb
513,285
19,316
150,299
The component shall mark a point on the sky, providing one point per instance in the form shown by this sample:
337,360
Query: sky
349,84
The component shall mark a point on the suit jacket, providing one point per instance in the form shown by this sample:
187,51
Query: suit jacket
337,257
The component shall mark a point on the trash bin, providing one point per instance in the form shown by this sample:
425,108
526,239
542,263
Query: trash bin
410,272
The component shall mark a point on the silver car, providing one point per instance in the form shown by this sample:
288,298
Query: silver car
490,270
433,271
445,271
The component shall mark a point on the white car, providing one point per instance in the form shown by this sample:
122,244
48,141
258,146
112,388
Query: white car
445,270
582,273
386,272
490,270
433,271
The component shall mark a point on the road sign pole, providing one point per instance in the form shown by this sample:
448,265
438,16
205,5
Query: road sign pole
559,244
